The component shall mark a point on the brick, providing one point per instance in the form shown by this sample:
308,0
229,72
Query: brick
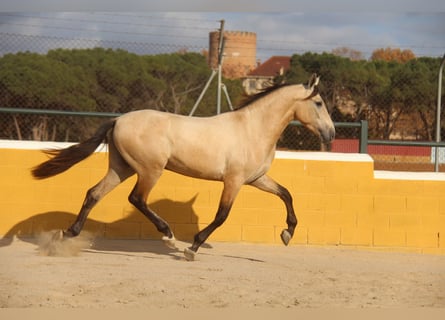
123,230
95,228
109,212
357,203
441,201
389,238
300,235
404,222
339,185
422,239
357,236
311,219
184,232
148,231
405,187
269,217
255,198
340,219
231,233
51,222
206,215
374,187
11,226
362,170
442,239
324,235
282,169
309,185
372,220
433,220
160,192
261,234
131,214
417,205
250,216
174,211
169,178
11,194
321,201
434,188
322,168
389,203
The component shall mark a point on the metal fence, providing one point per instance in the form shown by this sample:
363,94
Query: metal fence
54,125
20,121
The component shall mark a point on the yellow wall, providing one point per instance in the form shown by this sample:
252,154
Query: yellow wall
339,200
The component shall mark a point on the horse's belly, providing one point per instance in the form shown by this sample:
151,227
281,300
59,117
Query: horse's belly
197,166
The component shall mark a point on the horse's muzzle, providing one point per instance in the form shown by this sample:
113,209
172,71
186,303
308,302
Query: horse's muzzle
327,136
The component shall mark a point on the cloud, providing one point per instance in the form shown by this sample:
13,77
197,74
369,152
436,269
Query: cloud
278,33
315,6
361,31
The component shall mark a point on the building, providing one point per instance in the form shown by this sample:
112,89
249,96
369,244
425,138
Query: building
239,53
263,75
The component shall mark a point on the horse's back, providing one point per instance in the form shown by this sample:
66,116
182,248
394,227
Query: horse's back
193,146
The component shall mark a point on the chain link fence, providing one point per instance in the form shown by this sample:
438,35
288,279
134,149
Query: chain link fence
390,104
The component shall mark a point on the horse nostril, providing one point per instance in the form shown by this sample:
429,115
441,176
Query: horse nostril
328,135
332,134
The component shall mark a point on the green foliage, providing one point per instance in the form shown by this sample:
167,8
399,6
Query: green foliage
119,81
103,80
379,91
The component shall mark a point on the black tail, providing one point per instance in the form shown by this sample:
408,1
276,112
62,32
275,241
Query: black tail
63,159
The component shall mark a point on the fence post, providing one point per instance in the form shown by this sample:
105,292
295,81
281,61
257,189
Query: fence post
363,141
438,111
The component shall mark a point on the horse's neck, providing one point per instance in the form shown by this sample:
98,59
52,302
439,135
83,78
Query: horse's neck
270,116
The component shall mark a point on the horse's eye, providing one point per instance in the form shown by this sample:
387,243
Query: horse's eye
318,103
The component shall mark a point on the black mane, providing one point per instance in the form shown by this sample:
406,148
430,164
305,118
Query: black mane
250,99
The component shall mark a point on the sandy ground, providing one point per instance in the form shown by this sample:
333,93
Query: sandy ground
145,273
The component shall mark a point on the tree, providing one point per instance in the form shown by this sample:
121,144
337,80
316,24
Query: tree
350,53
393,54
100,80
383,92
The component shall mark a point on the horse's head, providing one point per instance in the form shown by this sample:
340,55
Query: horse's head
311,111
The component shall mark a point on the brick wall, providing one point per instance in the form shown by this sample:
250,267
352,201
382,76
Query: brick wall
338,198
239,52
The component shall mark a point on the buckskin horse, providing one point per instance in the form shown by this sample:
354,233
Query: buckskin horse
235,147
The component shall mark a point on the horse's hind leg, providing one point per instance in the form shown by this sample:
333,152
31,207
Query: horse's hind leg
118,171
93,196
266,183
138,198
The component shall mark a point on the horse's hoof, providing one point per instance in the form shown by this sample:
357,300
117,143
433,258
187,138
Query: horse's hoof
67,234
285,237
189,254
169,242
57,235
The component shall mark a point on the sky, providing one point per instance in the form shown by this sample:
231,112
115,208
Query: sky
282,29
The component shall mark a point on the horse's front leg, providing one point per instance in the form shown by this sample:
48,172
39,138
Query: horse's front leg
267,184
228,195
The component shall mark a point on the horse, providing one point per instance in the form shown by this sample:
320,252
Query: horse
236,148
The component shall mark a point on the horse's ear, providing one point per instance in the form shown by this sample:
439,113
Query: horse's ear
313,81
313,86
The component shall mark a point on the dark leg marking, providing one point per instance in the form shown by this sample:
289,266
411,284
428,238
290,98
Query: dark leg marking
89,202
291,219
160,224
267,184
201,237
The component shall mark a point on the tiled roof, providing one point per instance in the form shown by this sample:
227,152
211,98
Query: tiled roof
272,67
